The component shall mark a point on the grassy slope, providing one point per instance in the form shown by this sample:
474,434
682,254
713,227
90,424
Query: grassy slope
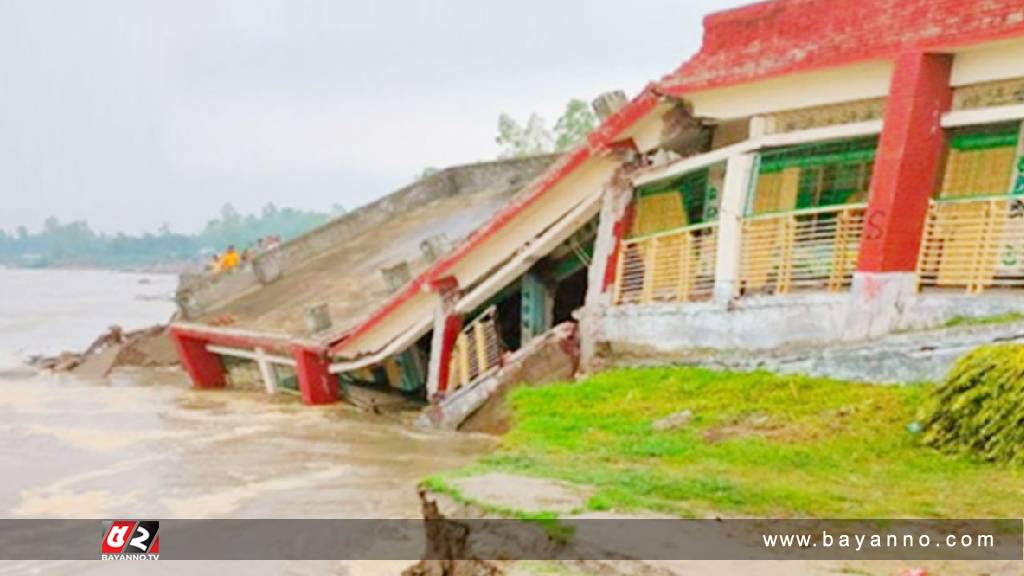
1009,317
759,444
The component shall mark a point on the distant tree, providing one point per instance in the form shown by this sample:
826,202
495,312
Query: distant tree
576,123
517,140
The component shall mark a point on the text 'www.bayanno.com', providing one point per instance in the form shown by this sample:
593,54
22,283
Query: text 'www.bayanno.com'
876,542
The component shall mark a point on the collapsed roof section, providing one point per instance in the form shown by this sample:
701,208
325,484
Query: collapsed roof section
356,262
533,223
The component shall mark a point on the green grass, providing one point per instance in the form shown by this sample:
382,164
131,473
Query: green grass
958,321
759,444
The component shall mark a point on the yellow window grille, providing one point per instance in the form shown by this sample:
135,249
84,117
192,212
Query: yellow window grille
478,350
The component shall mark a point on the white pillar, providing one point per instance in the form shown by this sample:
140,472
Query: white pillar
436,347
614,202
739,173
266,371
761,126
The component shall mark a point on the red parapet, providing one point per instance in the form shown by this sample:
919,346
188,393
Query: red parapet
771,39
204,367
317,384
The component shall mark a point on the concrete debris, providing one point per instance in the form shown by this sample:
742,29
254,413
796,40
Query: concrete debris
673,421
379,402
480,406
146,348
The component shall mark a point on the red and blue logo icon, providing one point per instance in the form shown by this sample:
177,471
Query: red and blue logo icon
130,540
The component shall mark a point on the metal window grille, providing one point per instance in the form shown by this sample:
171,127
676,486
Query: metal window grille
805,217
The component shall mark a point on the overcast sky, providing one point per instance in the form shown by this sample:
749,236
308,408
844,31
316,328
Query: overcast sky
131,113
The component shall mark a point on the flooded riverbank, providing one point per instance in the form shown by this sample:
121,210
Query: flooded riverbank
143,443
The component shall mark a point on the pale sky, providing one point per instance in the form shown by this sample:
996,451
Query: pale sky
131,113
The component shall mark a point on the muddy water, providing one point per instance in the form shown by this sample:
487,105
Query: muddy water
144,444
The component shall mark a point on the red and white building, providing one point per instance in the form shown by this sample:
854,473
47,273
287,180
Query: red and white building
820,171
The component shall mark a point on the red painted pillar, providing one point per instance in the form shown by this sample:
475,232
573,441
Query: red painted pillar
908,162
204,367
317,384
619,231
447,325
452,328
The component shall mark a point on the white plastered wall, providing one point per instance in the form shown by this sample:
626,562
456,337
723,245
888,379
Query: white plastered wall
988,63
795,91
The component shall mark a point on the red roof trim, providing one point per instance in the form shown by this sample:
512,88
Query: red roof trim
603,136
771,39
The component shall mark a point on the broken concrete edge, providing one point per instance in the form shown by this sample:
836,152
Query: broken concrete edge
441,499
550,357
145,348
452,544
462,533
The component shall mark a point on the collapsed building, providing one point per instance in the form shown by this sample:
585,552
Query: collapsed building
820,171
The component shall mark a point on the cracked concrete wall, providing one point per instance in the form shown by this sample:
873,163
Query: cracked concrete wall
675,332
757,323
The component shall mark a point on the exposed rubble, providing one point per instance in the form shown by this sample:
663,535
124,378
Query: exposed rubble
480,406
146,348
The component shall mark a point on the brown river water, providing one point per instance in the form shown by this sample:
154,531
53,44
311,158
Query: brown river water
142,443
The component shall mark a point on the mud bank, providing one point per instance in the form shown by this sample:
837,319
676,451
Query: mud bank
464,536
481,531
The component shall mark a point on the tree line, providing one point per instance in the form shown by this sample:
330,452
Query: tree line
76,243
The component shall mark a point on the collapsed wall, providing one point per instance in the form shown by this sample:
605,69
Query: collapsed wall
481,406
363,242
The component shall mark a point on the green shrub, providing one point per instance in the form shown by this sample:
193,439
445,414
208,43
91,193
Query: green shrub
979,410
